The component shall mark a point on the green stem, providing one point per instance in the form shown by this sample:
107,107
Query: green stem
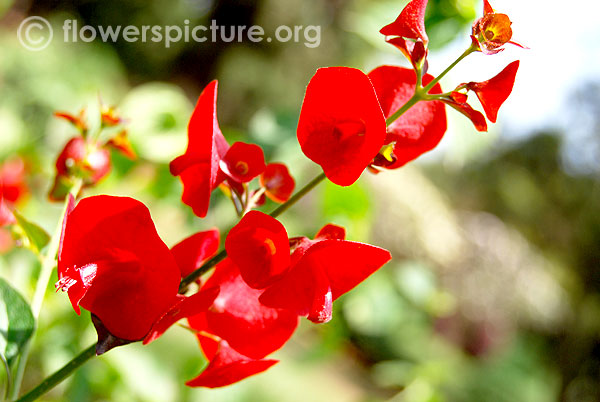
301,193
60,375
410,103
48,264
185,282
437,79
421,93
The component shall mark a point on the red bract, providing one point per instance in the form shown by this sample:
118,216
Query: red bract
77,121
195,250
12,188
259,246
198,167
226,366
120,142
277,182
410,23
492,31
183,308
493,92
322,270
237,316
112,263
208,159
458,102
420,128
341,126
81,159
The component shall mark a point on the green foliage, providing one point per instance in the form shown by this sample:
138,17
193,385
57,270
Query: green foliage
36,238
16,325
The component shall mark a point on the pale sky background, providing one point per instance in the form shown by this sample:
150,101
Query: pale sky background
564,53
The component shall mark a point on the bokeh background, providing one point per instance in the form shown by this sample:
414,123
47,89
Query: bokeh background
494,290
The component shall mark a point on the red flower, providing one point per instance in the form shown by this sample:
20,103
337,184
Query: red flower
226,366
341,126
493,92
79,158
277,182
322,271
418,130
198,168
12,188
492,31
112,263
237,316
208,159
410,23
243,162
259,246
195,250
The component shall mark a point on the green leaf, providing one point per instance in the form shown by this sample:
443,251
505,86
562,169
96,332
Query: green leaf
16,322
37,237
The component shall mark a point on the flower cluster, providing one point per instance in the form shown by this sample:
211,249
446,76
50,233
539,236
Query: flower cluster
112,262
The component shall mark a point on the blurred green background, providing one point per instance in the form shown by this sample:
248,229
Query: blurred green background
494,290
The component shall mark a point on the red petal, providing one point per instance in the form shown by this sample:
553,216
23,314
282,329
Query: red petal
277,182
305,291
476,117
258,245
487,8
332,232
243,162
341,126
493,92
121,143
193,251
419,129
183,308
410,23
199,166
326,270
414,51
12,180
238,317
136,277
228,367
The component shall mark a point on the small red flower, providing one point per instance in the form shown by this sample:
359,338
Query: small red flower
79,158
277,182
237,316
243,162
410,23
322,270
226,366
418,130
112,262
259,246
195,250
492,31
493,92
341,126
